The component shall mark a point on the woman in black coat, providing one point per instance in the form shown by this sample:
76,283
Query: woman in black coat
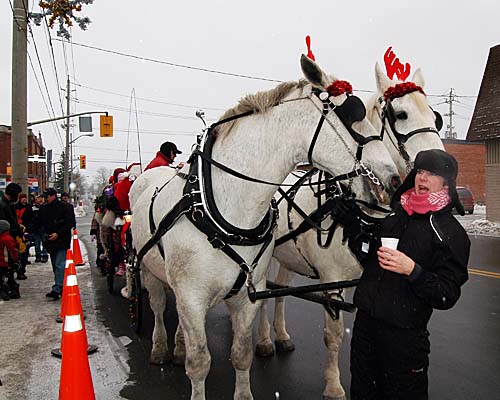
400,287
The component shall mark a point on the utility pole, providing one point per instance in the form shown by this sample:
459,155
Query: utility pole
19,135
450,134
66,151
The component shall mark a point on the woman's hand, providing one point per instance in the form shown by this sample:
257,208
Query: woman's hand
395,261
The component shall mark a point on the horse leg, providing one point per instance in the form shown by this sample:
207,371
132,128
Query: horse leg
157,301
334,333
265,347
192,312
243,313
180,347
282,341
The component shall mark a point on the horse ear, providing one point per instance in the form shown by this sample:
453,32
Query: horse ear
313,73
383,82
418,78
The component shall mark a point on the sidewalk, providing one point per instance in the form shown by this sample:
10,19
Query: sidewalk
28,332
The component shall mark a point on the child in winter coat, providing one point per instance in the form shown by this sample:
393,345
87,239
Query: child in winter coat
9,288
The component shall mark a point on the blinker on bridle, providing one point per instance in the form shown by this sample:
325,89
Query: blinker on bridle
389,114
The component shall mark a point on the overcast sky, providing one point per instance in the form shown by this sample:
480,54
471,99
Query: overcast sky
449,40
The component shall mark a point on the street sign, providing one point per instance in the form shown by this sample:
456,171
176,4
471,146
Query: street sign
37,158
106,125
85,124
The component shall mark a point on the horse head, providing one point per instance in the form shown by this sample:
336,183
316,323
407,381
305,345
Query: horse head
365,151
401,111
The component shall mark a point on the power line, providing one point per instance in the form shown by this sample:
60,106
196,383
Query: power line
149,100
44,81
142,112
213,71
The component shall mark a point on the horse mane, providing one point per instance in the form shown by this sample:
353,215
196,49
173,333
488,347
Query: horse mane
259,102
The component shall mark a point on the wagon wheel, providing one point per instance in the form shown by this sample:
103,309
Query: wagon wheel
135,297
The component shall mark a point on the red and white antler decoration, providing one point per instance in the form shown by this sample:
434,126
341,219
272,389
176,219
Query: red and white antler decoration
309,52
394,67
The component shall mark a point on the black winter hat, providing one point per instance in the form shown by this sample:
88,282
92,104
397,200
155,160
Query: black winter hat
167,147
4,225
440,163
13,190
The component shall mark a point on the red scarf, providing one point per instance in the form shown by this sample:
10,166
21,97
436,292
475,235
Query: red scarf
423,203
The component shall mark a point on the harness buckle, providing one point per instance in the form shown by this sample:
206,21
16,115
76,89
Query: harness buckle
216,242
197,214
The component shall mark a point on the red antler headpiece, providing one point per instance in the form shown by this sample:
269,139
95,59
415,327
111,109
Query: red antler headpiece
401,89
309,52
394,66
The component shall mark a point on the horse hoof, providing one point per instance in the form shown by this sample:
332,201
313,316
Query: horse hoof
334,398
160,359
179,361
264,350
284,346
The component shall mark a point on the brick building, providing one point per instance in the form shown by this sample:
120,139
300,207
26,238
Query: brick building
485,126
471,157
37,173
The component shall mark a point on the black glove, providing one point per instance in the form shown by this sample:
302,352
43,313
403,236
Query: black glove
93,232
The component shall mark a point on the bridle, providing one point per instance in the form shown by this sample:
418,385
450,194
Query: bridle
389,114
350,111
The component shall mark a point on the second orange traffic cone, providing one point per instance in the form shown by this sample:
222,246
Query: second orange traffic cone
77,254
76,378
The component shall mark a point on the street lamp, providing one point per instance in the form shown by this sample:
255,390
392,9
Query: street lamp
78,137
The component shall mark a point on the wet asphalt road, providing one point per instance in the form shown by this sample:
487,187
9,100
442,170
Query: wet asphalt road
465,344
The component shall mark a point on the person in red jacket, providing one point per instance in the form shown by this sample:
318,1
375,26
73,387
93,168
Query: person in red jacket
8,255
165,157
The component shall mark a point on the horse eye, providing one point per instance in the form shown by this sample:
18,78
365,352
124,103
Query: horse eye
401,115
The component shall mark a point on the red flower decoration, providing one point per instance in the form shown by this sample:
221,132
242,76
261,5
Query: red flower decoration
339,87
401,89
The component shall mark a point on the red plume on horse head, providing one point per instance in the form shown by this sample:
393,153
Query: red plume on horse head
309,52
394,67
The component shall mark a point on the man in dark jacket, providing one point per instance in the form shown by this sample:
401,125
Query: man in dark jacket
401,286
7,208
55,220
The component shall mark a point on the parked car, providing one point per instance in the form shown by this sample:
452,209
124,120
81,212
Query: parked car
466,198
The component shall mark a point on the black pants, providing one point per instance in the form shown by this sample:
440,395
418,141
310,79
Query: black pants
388,363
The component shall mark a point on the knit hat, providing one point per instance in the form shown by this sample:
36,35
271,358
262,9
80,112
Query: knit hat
4,225
440,163
49,192
13,190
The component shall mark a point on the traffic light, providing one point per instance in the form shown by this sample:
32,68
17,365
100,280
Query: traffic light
106,125
83,161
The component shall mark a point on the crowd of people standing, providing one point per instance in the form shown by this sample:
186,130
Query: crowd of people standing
44,224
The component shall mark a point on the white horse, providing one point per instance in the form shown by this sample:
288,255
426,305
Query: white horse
336,263
281,133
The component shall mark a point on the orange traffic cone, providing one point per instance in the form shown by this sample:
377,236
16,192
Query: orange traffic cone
77,253
71,291
69,260
76,379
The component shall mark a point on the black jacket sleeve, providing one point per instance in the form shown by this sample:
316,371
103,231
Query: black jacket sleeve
440,288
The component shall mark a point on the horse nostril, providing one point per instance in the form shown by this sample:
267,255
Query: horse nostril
396,181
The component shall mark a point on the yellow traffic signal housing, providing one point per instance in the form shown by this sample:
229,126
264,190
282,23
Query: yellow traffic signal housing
106,125
83,161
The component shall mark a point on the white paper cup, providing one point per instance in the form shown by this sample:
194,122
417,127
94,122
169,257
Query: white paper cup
392,243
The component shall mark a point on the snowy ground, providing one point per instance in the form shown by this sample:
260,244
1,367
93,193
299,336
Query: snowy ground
477,224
